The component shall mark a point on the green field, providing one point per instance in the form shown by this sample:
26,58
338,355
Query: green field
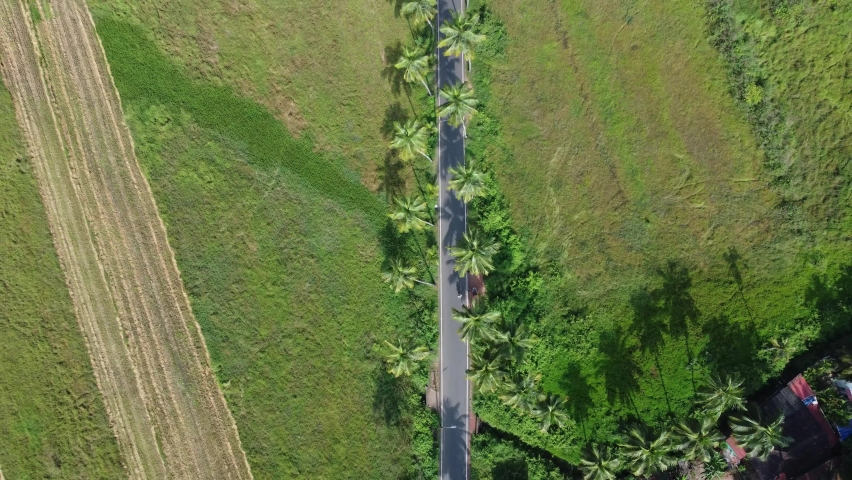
665,233
279,247
52,419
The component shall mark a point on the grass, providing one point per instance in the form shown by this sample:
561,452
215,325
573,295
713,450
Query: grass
279,251
52,419
650,241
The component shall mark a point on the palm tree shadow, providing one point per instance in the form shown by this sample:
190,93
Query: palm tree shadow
394,113
576,387
649,327
454,438
389,396
511,469
397,7
733,348
394,76
389,173
619,368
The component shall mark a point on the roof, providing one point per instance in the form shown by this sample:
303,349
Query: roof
814,441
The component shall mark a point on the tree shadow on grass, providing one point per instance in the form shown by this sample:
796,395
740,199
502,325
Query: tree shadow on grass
733,348
576,387
675,301
511,469
389,396
618,367
394,76
389,172
394,113
397,7
649,326
733,258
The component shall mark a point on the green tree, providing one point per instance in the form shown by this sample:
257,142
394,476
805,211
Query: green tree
474,254
409,214
468,182
410,140
404,357
549,411
486,370
460,37
697,439
476,325
521,392
720,396
759,438
459,104
646,456
415,64
401,276
512,339
597,463
420,11
716,467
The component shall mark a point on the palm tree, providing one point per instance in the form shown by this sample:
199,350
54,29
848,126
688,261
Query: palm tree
468,182
716,467
597,464
512,339
759,439
474,254
475,325
402,358
648,456
401,276
459,104
549,411
722,395
420,11
486,370
698,438
410,139
521,392
414,63
459,37
409,214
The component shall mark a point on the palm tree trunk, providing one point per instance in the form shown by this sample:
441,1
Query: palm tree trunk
427,86
464,130
424,283
425,262
427,157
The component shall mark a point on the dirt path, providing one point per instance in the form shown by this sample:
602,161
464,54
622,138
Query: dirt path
149,357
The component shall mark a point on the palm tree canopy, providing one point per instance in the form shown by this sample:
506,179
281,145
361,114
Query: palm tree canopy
410,139
597,464
474,254
549,410
758,438
415,65
698,438
512,339
459,103
409,214
722,395
403,358
468,182
476,325
400,276
486,371
521,392
420,11
647,456
459,36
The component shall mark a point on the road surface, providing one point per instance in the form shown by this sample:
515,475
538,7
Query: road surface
452,219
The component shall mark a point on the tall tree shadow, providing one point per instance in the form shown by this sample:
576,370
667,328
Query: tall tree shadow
577,388
394,113
511,469
397,7
388,396
394,76
676,302
733,348
389,173
733,259
618,367
649,327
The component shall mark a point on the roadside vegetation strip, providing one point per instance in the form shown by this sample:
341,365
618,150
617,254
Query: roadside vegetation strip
159,384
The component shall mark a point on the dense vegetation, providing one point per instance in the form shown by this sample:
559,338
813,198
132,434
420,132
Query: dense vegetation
279,250
52,419
648,242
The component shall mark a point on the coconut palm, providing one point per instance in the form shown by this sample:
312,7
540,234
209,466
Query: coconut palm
486,370
476,325
549,411
459,36
512,340
410,140
716,467
521,392
597,463
720,396
459,104
401,276
697,439
474,254
409,214
647,456
420,11
758,438
414,64
404,357
468,182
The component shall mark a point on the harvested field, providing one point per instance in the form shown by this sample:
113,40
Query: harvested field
148,355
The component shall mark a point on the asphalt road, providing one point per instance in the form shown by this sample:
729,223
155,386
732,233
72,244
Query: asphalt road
452,220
